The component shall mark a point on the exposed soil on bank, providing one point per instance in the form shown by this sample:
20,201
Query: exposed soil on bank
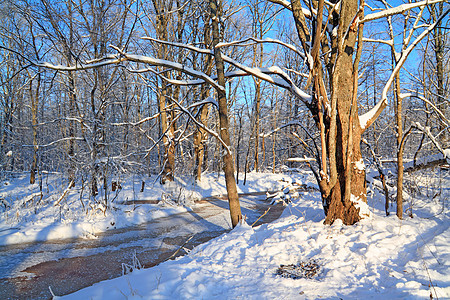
69,265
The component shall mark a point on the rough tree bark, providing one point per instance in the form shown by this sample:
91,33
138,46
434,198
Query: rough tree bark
343,178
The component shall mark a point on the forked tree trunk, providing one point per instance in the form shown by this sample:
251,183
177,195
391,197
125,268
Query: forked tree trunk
338,206
228,165
347,182
199,144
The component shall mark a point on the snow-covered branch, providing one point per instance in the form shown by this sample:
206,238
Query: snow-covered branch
291,123
283,81
437,110
79,66
169,64
259,41
57,141
208,100
300,159
138,122
406,53
397,10
286,4
368,118
426,130
387,42
199,124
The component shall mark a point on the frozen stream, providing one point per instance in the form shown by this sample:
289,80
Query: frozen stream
27,270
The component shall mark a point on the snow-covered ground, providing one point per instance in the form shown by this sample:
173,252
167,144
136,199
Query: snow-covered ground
378,258
25,217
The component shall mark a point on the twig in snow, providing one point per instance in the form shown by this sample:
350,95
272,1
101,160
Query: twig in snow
64,193
429,278
262,215
181,247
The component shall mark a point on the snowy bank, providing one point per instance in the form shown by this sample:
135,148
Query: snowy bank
379,258
26,216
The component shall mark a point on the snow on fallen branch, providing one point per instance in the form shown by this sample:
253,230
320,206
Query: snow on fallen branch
31,198
426,162
426,130
300,159
64,193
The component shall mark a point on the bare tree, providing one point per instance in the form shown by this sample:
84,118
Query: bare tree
411,23
330,35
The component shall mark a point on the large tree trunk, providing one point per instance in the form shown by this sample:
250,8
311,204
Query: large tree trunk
338,206
343,134
257,96
71,146
228,166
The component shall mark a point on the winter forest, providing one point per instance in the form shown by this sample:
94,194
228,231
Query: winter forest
119,113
